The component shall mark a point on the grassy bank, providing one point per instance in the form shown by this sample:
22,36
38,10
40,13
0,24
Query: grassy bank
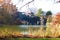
31,39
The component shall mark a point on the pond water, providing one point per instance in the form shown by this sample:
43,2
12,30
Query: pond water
22,28
25,26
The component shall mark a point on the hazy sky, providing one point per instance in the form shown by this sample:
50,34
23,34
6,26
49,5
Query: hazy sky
44,4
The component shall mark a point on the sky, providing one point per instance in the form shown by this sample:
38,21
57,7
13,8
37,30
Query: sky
46,5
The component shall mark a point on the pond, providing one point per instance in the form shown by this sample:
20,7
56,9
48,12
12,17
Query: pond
26,28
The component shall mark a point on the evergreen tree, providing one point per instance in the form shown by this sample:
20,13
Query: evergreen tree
48,13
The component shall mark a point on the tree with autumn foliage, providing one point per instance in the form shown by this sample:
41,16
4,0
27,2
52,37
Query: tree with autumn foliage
7,10
56,18
38,13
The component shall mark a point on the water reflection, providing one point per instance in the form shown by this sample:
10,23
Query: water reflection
25,26
26,29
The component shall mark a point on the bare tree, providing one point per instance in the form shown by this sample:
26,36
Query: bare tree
27,4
